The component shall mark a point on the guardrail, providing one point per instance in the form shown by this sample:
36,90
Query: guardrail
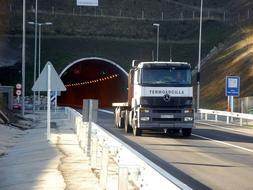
118,165
229,115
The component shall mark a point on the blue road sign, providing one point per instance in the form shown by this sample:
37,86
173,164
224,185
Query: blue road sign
233,86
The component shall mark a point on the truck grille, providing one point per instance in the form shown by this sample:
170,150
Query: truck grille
175,102
166,119
166,111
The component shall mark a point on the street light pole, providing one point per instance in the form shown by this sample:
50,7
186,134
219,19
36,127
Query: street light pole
39,59
199,58
23,59
35,50
41,24
157,40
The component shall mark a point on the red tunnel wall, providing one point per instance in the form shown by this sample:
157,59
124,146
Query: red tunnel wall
107,83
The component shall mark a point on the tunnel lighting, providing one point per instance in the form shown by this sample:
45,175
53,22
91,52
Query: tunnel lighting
92,81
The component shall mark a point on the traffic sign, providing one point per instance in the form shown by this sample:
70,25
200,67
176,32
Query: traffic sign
87,2
233,86
18,92
18,86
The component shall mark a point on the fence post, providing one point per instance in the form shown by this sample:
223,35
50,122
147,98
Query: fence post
89,115
206,116
240,121
216,117
227,119
142,15
162,15
94,150
181,15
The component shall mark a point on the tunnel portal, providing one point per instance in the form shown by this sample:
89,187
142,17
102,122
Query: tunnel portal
93,78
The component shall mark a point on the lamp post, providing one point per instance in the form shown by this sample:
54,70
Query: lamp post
199,58
41,24
39,51
157,40
35,51
23,59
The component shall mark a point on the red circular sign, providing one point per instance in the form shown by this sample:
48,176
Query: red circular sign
18,86
18,92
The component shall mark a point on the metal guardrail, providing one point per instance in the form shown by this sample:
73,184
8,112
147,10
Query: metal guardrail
118,165
229,115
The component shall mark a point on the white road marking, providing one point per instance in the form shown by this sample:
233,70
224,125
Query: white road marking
221,142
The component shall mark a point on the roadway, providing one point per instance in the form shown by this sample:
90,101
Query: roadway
212,158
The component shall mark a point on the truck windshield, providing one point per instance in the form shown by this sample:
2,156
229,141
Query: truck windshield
170,76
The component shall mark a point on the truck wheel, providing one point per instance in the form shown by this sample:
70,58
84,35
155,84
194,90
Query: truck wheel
186,132
128,128
136,130
121,122
115,120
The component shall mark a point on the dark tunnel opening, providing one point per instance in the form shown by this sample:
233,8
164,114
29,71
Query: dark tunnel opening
93,79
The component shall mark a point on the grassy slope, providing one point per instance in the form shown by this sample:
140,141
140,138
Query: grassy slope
235,59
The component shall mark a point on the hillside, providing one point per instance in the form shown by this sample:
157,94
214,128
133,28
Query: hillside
123,30
235,58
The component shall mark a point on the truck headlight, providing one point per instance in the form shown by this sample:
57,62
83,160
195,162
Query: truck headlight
145,118
144,110
188,119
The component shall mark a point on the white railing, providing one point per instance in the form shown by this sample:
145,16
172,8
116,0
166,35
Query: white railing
119,166
229,115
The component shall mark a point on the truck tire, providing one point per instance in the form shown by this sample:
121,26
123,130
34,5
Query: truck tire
128,128
118,121
115,119
136,130
186,132
121,122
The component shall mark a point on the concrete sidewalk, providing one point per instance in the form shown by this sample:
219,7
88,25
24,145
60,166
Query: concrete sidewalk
35,163
231,126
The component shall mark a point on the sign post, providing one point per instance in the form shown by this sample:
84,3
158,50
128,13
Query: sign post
48,81
232,89
48,100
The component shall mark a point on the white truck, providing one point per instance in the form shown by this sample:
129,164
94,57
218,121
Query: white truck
160,98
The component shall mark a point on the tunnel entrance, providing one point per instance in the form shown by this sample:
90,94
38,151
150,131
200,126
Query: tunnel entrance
93,78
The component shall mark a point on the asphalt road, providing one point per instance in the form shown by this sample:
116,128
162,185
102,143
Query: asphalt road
212,158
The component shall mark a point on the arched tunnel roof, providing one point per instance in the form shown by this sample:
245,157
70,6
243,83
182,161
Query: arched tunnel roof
93,78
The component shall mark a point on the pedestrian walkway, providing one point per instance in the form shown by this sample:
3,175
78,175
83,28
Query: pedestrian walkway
35,163
248,129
